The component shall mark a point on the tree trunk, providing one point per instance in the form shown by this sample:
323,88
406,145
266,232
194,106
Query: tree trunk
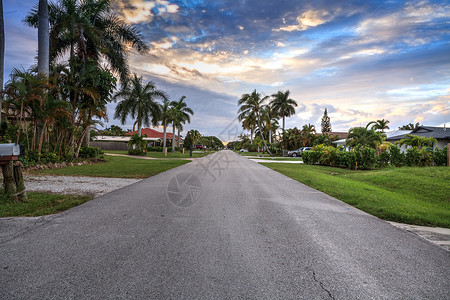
41,139
262,137
139,128
270,135
43,38
251,136
87,136
8,179
164,138
178,138
18,178
2,56
173,139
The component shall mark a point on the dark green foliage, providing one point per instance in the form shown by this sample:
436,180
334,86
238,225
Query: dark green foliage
365,158
382,159
326,124
439,157
397,158
413,157
89,152
347,160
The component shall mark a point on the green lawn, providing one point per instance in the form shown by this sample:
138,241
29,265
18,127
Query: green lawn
39,204
117,166
281,158
161,155
417,196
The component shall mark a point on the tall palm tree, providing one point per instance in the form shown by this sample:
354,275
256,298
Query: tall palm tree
253,104
43,38
248,123
139,102
307,134
90,29
283,105
165,117
269,117
379,124
181,115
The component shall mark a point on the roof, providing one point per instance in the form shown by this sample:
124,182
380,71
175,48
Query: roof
396,134
342,135
152,133
434,132
126,139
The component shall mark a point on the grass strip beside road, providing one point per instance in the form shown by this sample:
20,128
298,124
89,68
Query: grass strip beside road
39,204
154,154
417,196
117,166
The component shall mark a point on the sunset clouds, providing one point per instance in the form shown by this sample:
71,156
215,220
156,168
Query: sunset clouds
363,60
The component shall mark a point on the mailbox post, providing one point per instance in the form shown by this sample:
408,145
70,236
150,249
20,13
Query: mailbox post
12,171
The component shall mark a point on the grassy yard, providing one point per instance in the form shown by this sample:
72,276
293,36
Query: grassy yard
161,155
417,196
116,166
39,204
281,158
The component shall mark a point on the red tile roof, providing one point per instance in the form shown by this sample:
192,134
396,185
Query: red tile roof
152,133
342,135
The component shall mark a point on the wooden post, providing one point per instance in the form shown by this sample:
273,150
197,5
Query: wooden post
182,150
448,155
8,179
20,184
165,151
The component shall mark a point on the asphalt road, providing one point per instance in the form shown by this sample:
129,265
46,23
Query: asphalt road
235,229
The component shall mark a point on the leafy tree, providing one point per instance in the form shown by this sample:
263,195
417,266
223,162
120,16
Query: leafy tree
253,104
409,126
307,134
139,102
379,125
137,145
363,137
326,124
192,137
181,115
248,120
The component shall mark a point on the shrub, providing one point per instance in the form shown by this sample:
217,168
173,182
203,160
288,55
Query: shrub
439,157
88,152
154,148
382,159
347,160
413,157
397,158
137,151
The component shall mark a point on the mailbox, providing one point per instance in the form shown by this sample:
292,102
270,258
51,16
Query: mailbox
9,149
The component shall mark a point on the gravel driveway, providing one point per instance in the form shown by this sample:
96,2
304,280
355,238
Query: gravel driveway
94,186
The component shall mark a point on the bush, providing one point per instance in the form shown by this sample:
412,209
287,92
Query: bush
154,148
382,159
137,151
89,152
365,158
347,160
397,158
413,157
439,157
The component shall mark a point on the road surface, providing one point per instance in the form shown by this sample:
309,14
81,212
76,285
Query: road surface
221,227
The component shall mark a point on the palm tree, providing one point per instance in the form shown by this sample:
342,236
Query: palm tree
269,118
43,38
307,134
363,137
283,105
248,123
253,104
379,124
90,29
165,117
139,102
181,115
418,141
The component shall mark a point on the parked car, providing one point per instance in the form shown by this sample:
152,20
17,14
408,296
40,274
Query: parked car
243,150
298,152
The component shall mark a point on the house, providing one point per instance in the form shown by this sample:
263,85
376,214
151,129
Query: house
441,134
153,137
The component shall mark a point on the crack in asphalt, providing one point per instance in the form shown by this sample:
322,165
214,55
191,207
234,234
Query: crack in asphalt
321,285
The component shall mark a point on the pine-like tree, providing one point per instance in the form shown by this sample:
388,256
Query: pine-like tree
326,124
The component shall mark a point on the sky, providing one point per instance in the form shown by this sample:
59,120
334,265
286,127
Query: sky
362,60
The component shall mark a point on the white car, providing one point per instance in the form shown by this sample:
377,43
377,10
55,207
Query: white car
243,150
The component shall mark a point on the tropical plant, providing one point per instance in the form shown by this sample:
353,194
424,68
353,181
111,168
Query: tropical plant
253,104
379,125
43,38
137,145
363,137
166,116
248,123
90,29
181,114
409,126
270,120
418,141
283,105
139,102
307,134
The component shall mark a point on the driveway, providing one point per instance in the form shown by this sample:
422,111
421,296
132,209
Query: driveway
219,227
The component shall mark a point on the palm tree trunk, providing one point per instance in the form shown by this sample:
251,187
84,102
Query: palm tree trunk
43,38
262,137
251,136
139,128
2,55
178,138
270,136
164,138
173,139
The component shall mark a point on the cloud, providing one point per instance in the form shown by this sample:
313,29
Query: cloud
138,11
310,18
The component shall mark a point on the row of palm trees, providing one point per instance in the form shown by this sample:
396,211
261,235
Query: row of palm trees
260,114
55,104
139,102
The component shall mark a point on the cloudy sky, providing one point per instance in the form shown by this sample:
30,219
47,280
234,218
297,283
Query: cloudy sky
362,60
